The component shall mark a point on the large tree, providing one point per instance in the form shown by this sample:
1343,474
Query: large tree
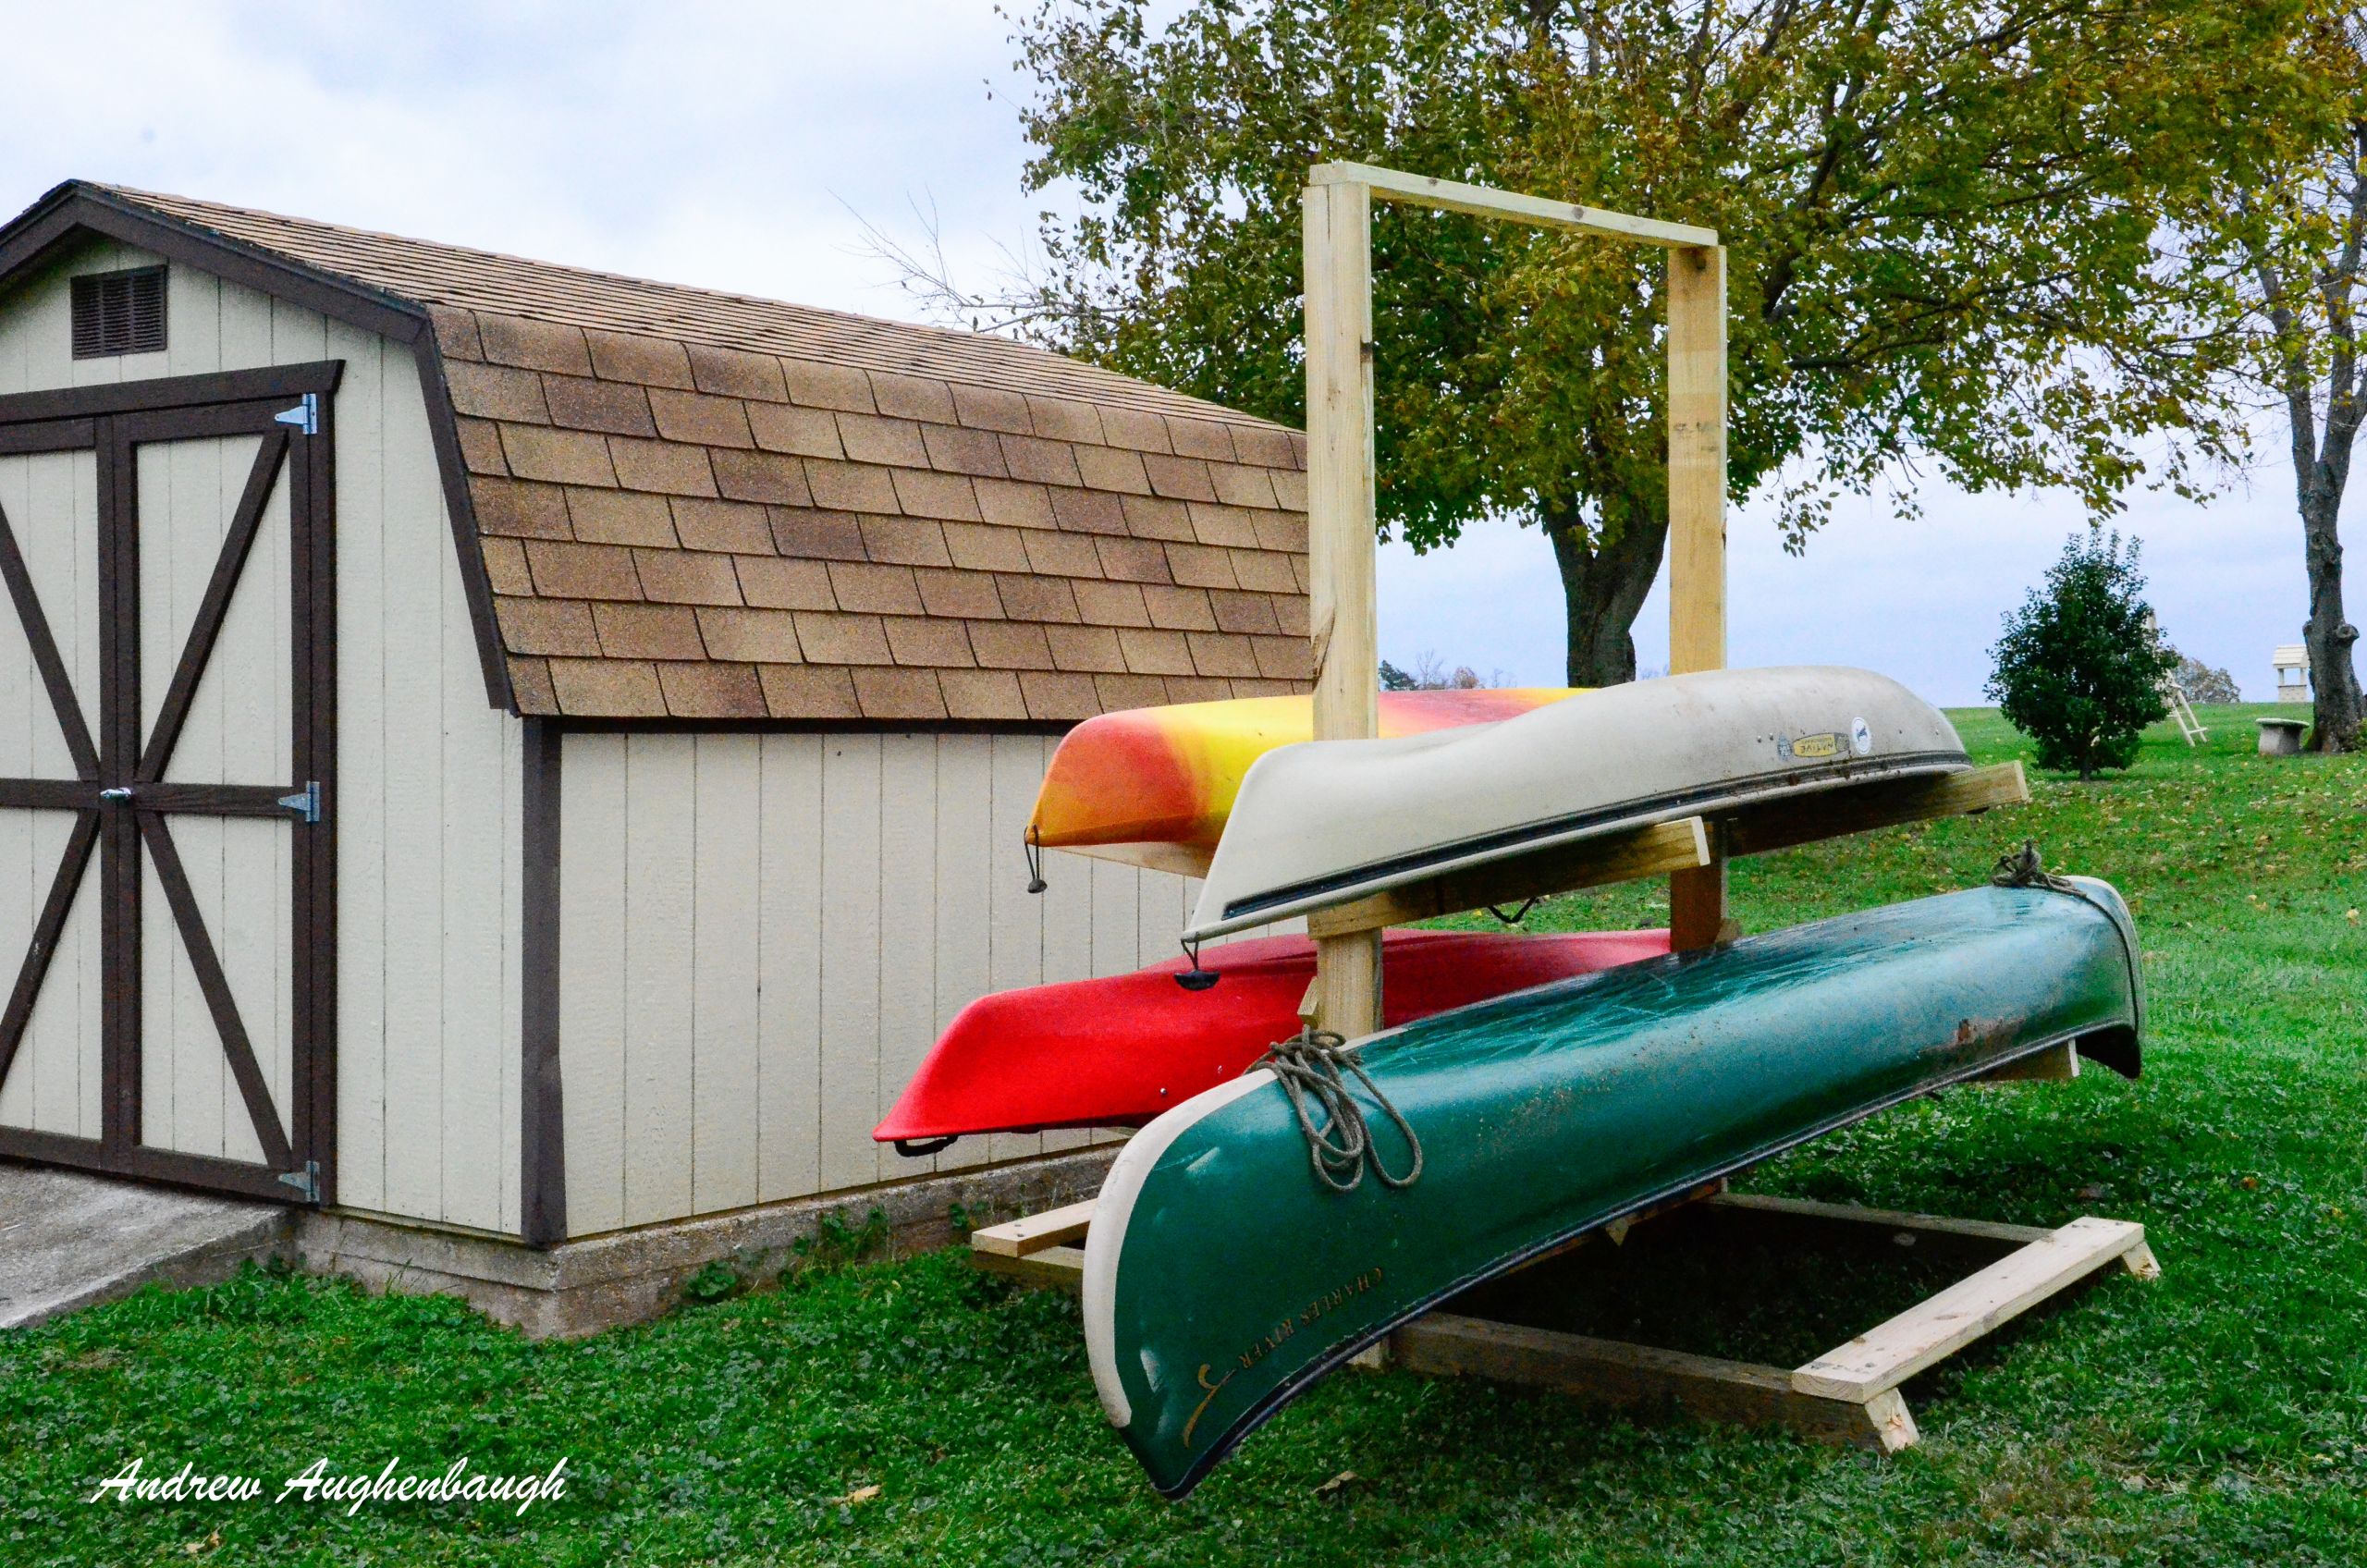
1940,216
2287,236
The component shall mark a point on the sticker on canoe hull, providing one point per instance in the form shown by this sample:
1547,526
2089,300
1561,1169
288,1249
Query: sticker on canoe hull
1861,738
1811,748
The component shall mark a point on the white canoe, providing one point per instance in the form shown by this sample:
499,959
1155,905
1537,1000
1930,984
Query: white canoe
1327,822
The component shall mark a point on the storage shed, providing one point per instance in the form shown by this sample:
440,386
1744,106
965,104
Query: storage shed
497,746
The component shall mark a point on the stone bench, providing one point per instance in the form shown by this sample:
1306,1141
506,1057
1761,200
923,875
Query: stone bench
2281,737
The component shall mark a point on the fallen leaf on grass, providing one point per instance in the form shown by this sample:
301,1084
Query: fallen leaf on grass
1340,1482
860,1495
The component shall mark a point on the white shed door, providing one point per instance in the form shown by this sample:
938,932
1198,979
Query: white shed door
165,547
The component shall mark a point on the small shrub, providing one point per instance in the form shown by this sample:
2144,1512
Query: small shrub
2080,668
835,1243
712,1283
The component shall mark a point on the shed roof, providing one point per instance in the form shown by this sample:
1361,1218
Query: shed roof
703,506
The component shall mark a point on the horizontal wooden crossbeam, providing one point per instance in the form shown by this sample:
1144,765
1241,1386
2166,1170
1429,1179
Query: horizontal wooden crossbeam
1453,196
1037,1232
1803,819
1622,1376
1939,1325
1807,1213
1615,857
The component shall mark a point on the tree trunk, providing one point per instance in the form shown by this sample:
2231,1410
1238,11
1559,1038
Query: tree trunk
2321,474
1602,589
2333,677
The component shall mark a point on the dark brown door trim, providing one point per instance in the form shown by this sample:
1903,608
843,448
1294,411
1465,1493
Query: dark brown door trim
212,390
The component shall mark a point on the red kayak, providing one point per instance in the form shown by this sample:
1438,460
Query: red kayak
1118,1051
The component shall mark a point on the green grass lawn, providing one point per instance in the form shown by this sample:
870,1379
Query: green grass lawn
2217,1416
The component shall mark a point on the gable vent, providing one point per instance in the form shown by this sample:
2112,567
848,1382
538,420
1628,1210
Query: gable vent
120,313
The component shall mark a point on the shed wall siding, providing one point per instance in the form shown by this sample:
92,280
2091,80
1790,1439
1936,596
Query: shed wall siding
761,934
429,805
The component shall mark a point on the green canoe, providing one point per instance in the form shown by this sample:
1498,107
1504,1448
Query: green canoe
1221,1277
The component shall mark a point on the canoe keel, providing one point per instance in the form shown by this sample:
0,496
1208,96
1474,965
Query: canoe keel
1220,1279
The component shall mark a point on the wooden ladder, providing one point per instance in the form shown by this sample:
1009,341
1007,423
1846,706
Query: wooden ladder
2183,711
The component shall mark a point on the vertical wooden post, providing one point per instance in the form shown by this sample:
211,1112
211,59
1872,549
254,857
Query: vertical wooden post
1697,528
1341,547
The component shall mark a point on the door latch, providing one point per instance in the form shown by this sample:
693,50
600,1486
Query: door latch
305,802
305,416
307,1180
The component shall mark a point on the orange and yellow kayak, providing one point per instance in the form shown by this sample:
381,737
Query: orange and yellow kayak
1153,786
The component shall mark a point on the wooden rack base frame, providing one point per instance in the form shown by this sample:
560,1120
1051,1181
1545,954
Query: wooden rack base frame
1849,1395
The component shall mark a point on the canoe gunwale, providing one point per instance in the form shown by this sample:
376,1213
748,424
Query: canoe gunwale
1289,1389
1732,793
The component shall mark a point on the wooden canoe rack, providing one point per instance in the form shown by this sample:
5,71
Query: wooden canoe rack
1849,1395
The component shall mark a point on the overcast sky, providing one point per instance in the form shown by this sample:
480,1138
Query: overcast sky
734,146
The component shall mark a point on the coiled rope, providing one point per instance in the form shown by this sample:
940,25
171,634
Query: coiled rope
1314,1068
2023,868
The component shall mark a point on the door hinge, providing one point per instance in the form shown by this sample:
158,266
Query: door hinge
305,416
307,1180
305,802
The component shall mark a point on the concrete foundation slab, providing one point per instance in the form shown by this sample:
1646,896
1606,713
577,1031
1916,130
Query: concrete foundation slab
579,1288
71,1239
